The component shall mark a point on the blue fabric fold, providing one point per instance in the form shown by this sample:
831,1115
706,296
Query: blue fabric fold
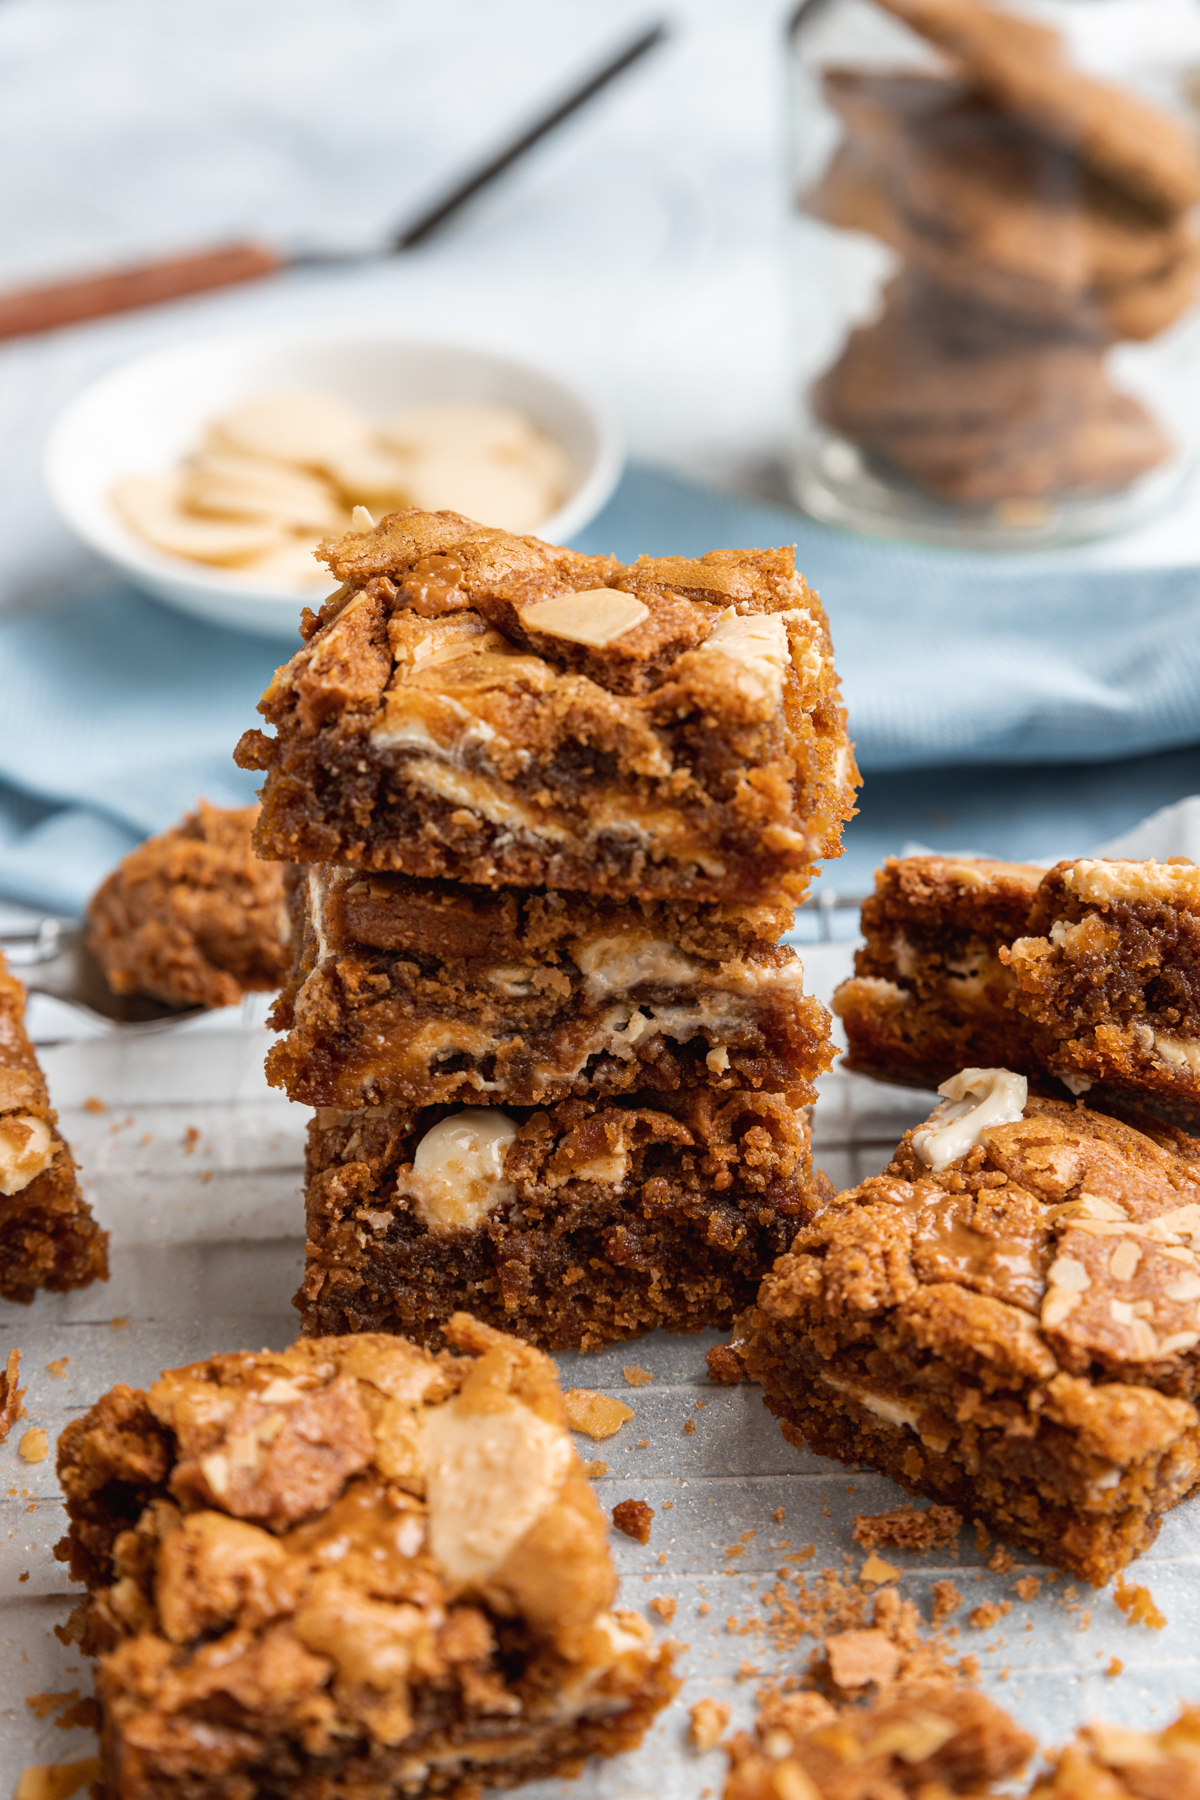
118,713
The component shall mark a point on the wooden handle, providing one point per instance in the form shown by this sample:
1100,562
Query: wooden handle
27,310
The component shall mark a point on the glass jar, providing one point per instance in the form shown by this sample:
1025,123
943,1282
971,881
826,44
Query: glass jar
994,264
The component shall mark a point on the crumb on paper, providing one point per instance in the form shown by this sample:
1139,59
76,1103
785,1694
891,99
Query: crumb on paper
191,1137
700,1405
635,1376
662,1557
42,1705
599,1415
1001,1560
725,1366
633,1518
1115,1666
11,1396
642,1444
24,1575
594,1470
1137,1604
982,1536
58,1367
1029,1587
907,1528
94,1105
34,1446
665,1607
875,1571
735,1550
689,1428
56,1781
1085,1621
946,1600
746,1670
779,1515
119,1323
709,1720
859,1657
667,1505
982,1618
704,1608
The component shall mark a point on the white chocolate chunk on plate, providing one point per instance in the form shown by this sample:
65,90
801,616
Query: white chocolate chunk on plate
594,616
244,487
150,506
462,429
502,494
310,429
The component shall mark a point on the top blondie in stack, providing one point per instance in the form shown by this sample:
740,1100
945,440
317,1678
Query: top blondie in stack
548,816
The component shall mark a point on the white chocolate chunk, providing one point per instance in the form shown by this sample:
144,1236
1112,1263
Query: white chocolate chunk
27,1147
151,506
617,962
977,1100
757,644
1099,883
489,1477
291,427
1181,1053
457,1175
892,1412
592,616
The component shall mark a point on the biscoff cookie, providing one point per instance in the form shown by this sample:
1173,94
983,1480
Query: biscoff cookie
1020,65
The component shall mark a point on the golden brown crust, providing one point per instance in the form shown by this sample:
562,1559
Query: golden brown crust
421,992
932,1740
48,1238
302,1542
192,917
1015,1334
626,1215
436,726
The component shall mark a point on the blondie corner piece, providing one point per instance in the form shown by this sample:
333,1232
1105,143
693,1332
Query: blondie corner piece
419,992
938,1740
192,917
929,994
584,1224
500,711
349,1567
1108,981
1007,1320
48,1237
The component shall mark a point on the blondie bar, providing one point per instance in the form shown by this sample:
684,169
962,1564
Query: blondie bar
1107,980
939,1740
349,1568
579,1225
420,992
499,711
48,1237
929,994
1006,1320
192,917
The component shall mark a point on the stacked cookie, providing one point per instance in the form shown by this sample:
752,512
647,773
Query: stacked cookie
548,817
1039,215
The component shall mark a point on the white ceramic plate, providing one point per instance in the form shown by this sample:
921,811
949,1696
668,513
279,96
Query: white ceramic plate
146,415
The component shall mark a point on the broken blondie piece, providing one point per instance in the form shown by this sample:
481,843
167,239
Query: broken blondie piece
1006,1320
500,711
192,917
419,992
1113,1761
1107,980
48,1237
935,1740
583,1224
929,994
349,1566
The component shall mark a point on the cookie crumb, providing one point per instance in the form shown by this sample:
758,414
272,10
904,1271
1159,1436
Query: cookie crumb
689,1428
859,1657
989,1614
665,1607
779,1515
35,1447
709,1719
635,1376
1001,1560
1029,1587
982,1536
875,1571
594,1470
1138,1605
1115,1666
946,1600
725,1366
633,1518
58,1367
906,1528
119,1323
11,1396
93,1105
599,1415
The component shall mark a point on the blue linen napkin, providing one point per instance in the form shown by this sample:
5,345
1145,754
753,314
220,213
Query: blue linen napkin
117,713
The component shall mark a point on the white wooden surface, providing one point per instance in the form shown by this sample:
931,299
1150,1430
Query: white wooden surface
207,1247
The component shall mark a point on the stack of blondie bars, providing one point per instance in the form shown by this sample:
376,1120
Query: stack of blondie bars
548,816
